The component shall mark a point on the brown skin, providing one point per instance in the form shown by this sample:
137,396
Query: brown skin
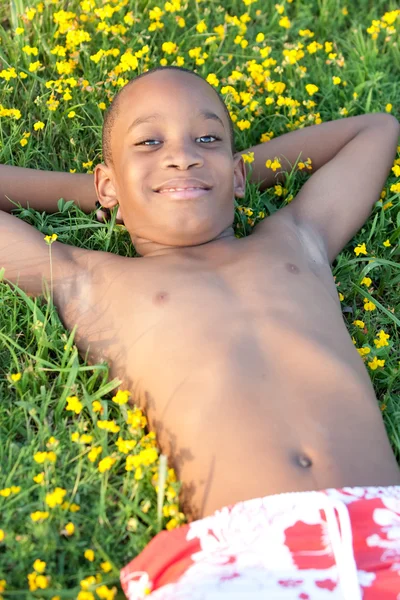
237,349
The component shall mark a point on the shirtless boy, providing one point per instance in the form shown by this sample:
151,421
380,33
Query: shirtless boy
236,348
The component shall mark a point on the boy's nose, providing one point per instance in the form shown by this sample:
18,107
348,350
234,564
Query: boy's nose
182,156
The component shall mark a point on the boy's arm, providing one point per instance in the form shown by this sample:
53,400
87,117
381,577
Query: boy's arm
42,189
351,160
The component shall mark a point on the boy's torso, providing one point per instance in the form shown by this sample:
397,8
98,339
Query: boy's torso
239,355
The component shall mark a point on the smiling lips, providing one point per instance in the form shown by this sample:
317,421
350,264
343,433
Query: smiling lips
183,188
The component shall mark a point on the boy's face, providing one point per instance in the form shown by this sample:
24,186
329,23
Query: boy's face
184,148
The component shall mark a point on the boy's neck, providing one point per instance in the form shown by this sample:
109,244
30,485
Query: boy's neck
149,249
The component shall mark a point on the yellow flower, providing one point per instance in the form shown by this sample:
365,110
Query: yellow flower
96,405
243,124
39,515
359,323
125,446
274,165
30,13
102,105
249,157
212,79
74,405
15,377
105,593
39,566
69,529
49,239
106,566
341,297
363,351
360,249
382,339
39,478
366,281
169,47
369,306
387,243
105,464
260,37
121,397
108,426
311,89
94,453
75,436
284,22
201,27
55,498
388,108
2,535
71,114
19,31
84,595
23,142
336,80
375,363
89,554
35,66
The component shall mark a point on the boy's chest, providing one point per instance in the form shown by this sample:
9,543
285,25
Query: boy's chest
170,316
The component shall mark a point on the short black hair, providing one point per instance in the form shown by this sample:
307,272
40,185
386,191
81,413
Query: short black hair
113,110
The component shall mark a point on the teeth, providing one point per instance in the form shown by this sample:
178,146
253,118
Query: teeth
180,189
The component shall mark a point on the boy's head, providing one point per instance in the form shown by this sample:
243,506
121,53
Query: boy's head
169,128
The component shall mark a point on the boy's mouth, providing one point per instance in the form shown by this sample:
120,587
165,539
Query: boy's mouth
184,193
183,186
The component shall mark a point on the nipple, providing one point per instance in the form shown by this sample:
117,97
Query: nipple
292,268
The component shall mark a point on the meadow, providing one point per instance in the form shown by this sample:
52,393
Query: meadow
83,487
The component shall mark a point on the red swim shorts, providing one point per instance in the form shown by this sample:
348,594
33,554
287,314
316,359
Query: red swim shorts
333,544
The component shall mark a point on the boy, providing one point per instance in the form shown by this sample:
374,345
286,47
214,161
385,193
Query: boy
236,349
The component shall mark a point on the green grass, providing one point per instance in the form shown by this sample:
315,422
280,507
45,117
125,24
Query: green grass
119,513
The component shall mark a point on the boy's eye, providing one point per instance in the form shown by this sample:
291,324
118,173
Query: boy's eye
203,137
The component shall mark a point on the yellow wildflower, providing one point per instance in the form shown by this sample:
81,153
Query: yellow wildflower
15,377
311,89
49,239
375,363
381,340
96,405
359,323
121,397
89,554
248,157
39,515
102,105
274,165
105,593
2,535
39,566
106,566
71,114
369,306
108,426
360,249
69,529
366,281
284,22
387,243
105,464
74,404
336,80
85,595
39,478
388,108
212,79
94,453
35,66
56,497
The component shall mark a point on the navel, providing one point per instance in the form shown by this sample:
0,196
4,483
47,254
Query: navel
161,297
304,461
292,268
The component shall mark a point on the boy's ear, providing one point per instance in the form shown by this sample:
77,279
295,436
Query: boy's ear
104,185
239,174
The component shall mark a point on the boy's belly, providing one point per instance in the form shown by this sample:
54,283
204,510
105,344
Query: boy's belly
248,412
